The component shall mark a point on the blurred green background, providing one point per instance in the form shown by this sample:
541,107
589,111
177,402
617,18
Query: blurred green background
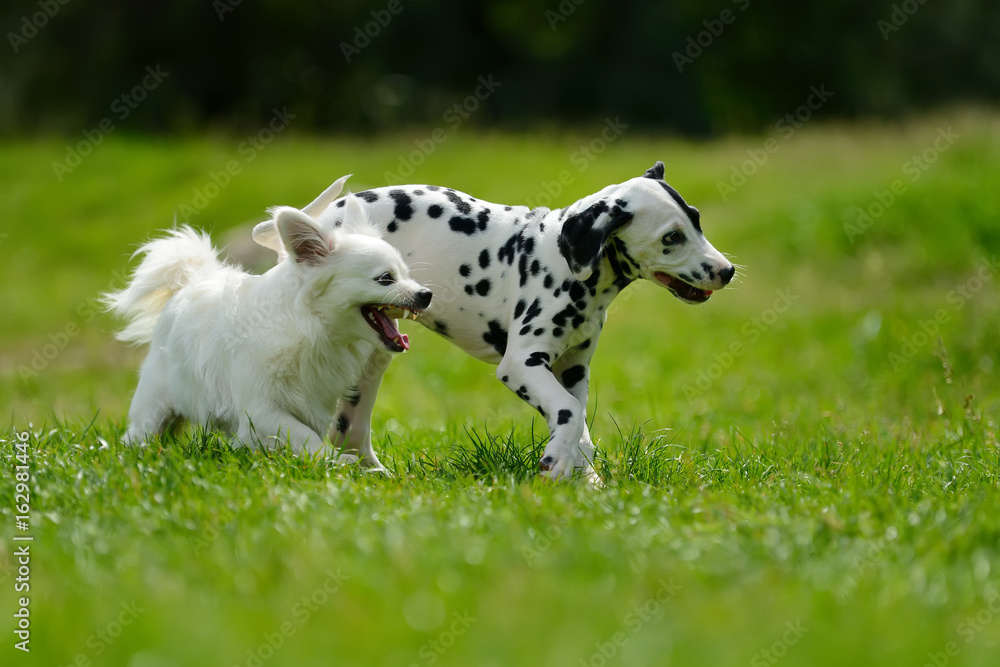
803,471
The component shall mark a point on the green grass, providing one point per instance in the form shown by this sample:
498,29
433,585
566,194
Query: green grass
795,453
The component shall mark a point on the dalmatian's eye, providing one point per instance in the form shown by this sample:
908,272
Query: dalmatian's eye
673,238
386,279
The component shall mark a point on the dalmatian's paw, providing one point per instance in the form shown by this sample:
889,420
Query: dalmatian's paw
347,459
565,467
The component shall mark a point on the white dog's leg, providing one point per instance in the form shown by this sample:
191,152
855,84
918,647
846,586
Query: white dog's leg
527,373
272,428
352,428
150,413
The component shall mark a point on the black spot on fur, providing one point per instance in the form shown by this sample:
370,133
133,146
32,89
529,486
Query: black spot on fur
463,225
354,396
519,308
391,227
584,345
434,211
539,332
577,291
534,310
484,259
508,208
559,319
548,281
522,393
341,202
469,290
441,328
564,416
524,330
462,206
508,249
343,423
522,269
464,270
367,195
483,287
483,218
538,359
418,193
557,333
529,245
433,188
403,210
572,375
536,266
497,337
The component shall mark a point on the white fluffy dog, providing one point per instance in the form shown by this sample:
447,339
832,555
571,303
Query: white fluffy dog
264,357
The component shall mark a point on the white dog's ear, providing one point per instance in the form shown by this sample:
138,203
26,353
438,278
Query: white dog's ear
266,233
302,237
583,235
356,218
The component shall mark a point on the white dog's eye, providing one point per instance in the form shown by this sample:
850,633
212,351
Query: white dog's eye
385,279
673,238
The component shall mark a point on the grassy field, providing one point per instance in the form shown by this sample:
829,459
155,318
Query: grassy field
803,471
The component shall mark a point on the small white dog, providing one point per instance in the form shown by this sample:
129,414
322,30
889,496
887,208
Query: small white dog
264,357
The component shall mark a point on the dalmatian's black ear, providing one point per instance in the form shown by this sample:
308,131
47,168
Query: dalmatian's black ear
655,172
583,235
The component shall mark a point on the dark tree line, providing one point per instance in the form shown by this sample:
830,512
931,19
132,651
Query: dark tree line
683,66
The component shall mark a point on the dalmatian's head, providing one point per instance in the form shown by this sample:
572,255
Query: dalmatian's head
646,230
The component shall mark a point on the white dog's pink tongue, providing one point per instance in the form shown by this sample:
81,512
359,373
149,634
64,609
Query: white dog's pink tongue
390,331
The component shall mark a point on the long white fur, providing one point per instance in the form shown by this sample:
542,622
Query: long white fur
264,357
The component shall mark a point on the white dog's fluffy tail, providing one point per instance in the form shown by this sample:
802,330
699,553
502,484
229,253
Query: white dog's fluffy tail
168,265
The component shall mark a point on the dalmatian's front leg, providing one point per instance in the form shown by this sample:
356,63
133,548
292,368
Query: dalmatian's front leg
572,370
352,430
528,373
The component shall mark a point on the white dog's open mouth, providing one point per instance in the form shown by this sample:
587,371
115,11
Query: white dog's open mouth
681,289
380,316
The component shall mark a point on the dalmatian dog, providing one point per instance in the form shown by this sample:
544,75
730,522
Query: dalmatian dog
527,289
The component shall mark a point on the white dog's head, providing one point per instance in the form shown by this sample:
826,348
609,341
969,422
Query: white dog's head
350,277
646,230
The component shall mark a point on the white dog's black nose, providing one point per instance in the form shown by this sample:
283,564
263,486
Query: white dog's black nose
423,298
727,274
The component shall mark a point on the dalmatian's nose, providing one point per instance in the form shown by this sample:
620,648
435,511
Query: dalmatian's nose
727,274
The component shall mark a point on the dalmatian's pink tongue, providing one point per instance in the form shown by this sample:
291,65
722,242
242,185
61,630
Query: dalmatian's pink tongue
390,331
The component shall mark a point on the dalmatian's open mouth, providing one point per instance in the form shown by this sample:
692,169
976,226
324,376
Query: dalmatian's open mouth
380,317
681,289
